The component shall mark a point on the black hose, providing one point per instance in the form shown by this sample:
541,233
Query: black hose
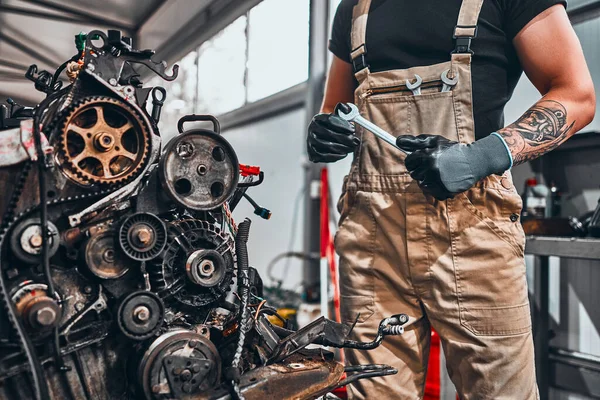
60,69
243,278
40,387
45,255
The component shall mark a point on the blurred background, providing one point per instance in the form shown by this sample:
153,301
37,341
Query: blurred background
263,76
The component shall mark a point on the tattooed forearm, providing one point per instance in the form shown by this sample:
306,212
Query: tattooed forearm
541,129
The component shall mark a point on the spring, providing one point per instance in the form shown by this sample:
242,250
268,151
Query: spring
393,330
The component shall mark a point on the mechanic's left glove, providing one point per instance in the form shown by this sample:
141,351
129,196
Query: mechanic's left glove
445,168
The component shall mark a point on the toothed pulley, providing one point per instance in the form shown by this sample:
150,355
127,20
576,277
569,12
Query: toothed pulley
142,236
199,170
102,140
140,315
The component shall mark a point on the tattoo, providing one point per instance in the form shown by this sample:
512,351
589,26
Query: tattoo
541,129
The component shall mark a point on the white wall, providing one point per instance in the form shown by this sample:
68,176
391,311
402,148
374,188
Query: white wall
277,146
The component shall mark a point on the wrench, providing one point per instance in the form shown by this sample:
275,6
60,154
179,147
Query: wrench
415,87
349,112
448,83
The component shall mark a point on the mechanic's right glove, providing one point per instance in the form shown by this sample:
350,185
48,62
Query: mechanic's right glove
330,138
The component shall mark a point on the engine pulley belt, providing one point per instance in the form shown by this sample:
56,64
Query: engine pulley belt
8,221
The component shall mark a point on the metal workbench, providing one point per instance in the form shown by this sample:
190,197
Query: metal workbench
552,359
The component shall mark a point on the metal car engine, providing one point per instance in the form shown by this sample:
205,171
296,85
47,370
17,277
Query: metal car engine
122,272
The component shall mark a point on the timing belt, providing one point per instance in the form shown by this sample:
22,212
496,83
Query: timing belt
8,221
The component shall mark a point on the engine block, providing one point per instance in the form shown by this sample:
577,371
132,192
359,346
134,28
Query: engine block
122,273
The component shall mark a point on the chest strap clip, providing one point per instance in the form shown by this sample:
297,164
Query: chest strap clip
463,42
359,61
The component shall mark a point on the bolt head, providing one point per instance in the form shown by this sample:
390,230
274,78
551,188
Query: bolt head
141,313
45,316
144,235
112,81
186,375
35,240
79,306
104,141
185,149
109,255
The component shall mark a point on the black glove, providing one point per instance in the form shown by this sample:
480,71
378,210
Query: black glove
330,138
445,168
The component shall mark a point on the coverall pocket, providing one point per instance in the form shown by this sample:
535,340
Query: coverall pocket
492,207
488,262
498,321
354,244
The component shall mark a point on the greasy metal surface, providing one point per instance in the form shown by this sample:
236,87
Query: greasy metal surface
154,317
199,170
103,258
103,141
304,376
153,368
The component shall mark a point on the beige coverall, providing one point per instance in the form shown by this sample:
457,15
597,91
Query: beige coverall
454,265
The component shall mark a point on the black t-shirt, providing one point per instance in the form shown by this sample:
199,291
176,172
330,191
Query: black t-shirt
408,33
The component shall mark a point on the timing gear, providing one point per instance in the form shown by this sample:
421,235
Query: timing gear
199,170
102,140
142,236
196,267
177,364
103,258
39,312
141,315
26,240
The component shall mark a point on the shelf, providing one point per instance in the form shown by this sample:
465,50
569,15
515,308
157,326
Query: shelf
583,248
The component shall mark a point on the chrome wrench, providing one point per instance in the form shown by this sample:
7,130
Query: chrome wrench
349,112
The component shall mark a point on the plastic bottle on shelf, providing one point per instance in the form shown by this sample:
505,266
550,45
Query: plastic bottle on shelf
534,199
553,201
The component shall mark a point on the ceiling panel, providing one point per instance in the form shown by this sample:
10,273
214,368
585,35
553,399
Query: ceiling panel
54,39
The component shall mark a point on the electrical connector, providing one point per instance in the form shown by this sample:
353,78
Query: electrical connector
263,213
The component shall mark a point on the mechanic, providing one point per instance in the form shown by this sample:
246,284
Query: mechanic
436,234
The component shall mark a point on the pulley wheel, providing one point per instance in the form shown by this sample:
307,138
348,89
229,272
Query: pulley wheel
103,257
140,315
26,240
205,267
179,364
142,236
199,170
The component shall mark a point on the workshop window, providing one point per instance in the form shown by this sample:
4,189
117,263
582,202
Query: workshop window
221,70
277,47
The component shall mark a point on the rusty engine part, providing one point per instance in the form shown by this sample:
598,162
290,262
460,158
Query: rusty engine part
199,170
122,272
102,140
141,315
26,240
